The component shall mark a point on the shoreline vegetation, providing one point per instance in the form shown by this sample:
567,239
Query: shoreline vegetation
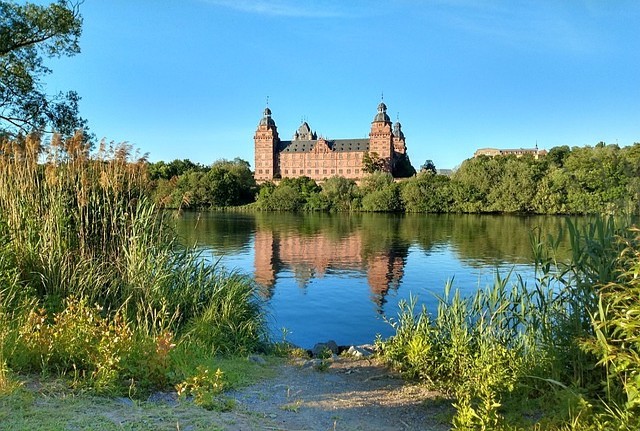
96,291
603,179
94,285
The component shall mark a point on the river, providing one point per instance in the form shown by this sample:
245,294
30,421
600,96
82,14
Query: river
341,276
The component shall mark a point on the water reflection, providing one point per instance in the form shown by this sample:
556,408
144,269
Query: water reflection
373,246
311,256
335,276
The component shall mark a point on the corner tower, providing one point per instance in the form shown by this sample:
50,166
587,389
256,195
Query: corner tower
399,146
266,148
381,138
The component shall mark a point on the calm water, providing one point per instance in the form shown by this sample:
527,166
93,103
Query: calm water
339,276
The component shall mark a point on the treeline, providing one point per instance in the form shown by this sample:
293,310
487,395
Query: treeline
578,180
184,184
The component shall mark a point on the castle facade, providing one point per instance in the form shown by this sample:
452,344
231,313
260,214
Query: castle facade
318,158
518,152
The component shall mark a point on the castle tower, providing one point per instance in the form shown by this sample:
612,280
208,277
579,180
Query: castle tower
381,138
399,146
266,145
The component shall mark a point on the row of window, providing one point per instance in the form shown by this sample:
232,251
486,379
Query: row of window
317,171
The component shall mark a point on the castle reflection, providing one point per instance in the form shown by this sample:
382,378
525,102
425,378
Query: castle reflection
311,256
372,247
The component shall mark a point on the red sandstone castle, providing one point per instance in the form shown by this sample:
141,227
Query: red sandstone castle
319,158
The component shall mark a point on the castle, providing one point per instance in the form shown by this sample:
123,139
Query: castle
318,158
518,152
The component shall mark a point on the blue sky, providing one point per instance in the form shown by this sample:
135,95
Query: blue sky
190,78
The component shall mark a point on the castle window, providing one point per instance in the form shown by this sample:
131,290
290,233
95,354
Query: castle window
317,171
348,171
308,171
301,171
333,171
286,171
339,171
357,171
324,171
260,171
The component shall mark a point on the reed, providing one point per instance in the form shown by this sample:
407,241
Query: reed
563,336
89,257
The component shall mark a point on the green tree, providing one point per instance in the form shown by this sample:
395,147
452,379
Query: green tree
551,193
29,32
473,182
304,185
386,199
426,193
371,162
557,155
375,181
402,167
341,193
598,181
174,168
631,156
282,198
517,187
231,183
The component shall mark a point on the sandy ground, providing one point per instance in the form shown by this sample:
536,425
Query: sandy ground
348,395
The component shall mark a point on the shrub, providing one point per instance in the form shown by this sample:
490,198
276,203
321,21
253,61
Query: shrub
514,342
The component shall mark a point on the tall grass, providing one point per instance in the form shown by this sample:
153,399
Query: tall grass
547,344
92,278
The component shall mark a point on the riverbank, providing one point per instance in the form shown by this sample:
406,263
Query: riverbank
349,394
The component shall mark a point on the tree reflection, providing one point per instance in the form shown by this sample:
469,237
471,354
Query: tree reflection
374,246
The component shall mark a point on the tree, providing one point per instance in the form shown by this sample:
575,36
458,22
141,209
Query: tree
29,32
231,183
402,167
426,193
371,162
340,192
557,155
175,168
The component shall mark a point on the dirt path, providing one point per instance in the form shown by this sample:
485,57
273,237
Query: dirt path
349,395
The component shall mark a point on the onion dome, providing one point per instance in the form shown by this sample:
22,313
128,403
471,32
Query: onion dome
266,119
397,130
382,113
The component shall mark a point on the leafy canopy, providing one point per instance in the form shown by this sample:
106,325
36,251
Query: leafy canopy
28,34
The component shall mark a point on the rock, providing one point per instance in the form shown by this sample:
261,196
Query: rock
257,359
360,351
312,363
320,349
170,398
125,401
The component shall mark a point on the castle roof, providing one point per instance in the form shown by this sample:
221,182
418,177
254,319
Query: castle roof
304,133
382,114
266,119
337,145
